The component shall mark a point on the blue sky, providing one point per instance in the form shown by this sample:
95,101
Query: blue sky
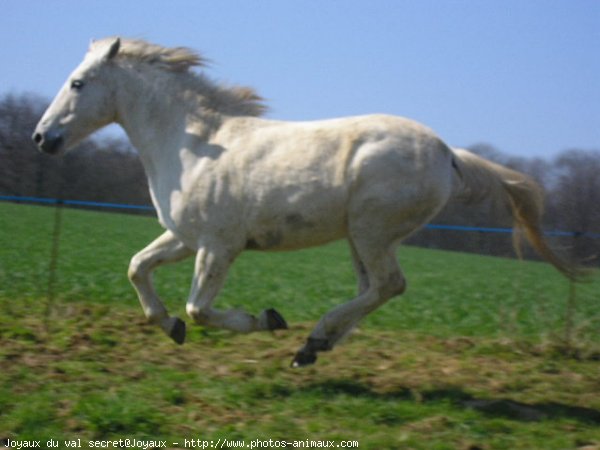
521,75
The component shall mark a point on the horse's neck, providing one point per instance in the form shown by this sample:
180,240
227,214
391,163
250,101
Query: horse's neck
145,116
156,122
168,131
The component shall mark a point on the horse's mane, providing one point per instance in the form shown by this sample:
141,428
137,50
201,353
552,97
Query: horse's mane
230,100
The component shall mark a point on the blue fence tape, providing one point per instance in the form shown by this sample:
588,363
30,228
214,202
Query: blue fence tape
432,226
55,201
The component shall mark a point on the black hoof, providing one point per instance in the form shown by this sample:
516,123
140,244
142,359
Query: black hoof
303,358
275,321
308,354
178,331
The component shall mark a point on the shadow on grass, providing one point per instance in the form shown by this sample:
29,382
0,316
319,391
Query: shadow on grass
504,408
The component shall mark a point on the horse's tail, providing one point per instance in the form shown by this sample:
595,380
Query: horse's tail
478,178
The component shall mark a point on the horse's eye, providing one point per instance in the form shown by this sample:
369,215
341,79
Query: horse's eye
76,84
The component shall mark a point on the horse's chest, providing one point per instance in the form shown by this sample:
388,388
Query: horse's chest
175,208
194,215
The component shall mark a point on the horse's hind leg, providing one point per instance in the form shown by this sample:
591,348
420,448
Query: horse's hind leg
212,264
380,279
359,268
165,249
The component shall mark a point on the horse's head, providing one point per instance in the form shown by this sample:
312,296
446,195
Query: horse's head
83,105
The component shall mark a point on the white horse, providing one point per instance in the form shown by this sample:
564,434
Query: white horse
223,180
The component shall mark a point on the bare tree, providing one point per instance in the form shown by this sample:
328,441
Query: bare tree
575,200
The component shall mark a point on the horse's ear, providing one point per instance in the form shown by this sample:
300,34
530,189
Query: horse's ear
113,49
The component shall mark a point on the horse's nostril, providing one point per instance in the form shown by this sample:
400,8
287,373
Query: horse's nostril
37,138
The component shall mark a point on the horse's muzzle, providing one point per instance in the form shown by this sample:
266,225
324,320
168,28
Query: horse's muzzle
48,142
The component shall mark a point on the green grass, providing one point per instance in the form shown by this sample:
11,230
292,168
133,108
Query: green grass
477,353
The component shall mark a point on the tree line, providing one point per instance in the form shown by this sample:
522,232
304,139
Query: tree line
100,170
109,170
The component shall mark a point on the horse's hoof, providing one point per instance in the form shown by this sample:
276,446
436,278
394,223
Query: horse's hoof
275,321
303,358
177,332
308,353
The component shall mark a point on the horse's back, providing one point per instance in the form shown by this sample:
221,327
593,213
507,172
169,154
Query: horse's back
330,145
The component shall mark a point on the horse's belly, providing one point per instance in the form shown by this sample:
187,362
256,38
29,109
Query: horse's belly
290,228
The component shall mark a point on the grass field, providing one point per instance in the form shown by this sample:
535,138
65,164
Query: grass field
480,353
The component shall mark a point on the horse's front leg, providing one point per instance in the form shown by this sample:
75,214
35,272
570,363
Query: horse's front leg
212,264
165,249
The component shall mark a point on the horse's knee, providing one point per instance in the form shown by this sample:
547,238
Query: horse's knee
141,265
136,269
